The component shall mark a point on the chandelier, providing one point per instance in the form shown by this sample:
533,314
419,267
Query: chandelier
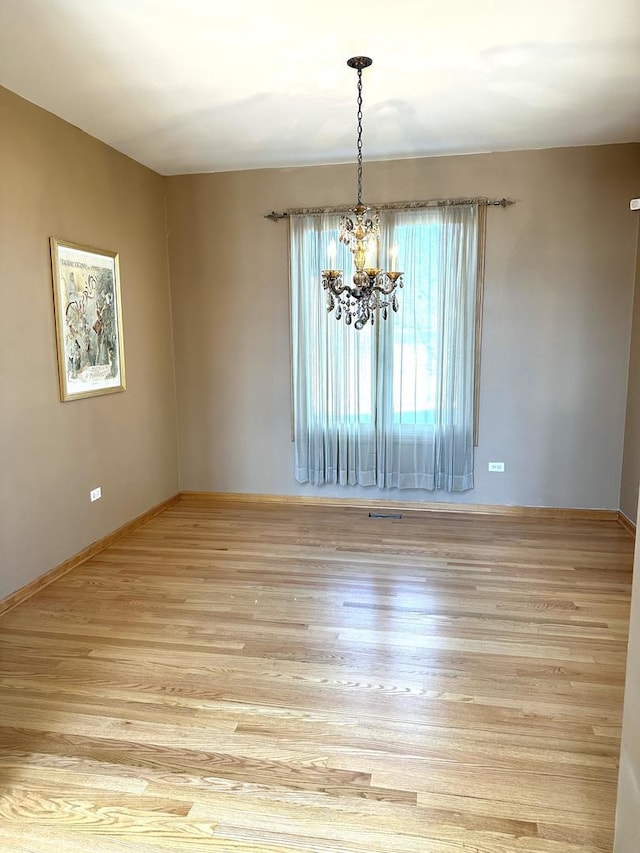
373,290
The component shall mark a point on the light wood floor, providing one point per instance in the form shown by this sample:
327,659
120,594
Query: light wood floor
269,679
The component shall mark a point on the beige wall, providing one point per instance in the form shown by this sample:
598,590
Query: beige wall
559,280
628,807
631,458
56,180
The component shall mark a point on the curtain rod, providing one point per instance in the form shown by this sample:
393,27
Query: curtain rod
274,216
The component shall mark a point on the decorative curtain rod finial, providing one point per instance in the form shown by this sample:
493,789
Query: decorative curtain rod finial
274,216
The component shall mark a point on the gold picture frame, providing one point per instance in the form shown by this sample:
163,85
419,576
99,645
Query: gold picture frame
88,316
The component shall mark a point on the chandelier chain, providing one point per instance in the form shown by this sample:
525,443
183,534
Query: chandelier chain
359,135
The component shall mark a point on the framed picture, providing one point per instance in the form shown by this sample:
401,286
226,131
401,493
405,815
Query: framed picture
86,291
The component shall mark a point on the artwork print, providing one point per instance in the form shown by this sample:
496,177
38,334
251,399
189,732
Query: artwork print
88,320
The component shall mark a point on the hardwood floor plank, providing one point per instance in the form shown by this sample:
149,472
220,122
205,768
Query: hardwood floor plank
266,678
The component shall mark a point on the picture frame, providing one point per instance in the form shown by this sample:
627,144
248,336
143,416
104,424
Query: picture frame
88,318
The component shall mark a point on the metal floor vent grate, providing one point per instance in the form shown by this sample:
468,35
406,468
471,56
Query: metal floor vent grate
385,515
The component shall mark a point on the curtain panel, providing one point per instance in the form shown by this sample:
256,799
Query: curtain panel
391,405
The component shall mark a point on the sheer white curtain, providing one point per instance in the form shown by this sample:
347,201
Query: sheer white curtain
425,400
393,404
333,369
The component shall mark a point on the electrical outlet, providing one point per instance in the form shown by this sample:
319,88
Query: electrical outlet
496,466
95,494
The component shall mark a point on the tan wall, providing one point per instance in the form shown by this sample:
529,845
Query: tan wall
559,280
56,180
628,806
631,458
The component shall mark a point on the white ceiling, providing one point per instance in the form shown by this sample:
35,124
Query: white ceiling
215,85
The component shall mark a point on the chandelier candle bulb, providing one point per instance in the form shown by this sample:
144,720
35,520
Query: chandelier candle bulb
393,254
331,254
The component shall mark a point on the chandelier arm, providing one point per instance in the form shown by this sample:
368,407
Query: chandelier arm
385,290
337,289
342,289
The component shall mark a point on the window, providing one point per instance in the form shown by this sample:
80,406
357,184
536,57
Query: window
391,405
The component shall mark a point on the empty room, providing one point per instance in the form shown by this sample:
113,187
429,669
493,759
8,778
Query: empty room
319,426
